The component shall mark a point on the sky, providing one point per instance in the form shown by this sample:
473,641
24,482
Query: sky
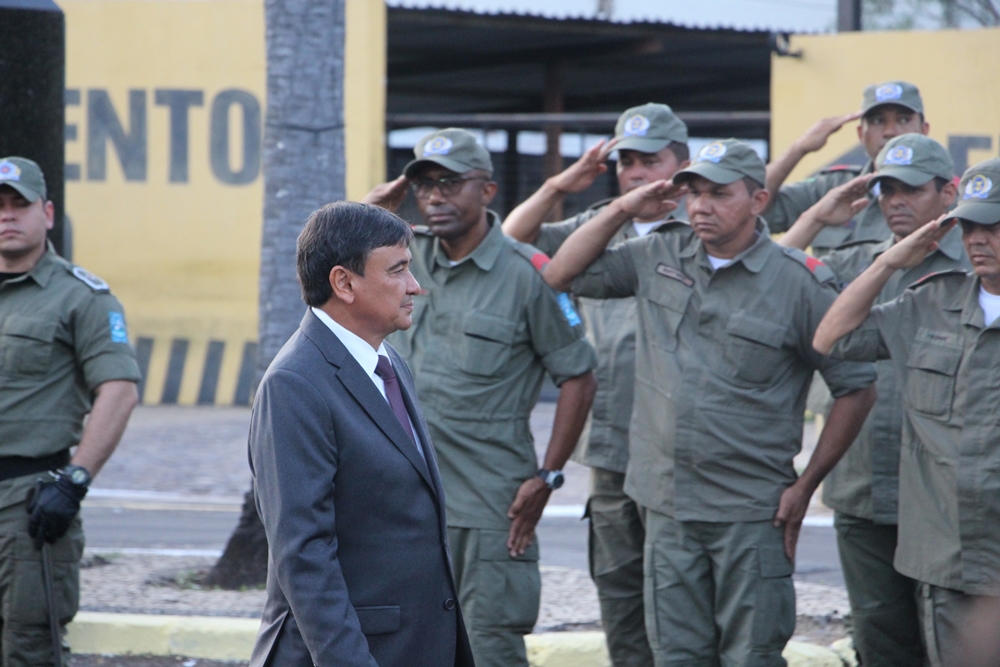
773,15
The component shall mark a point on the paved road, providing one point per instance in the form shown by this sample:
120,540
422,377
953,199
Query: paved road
177,479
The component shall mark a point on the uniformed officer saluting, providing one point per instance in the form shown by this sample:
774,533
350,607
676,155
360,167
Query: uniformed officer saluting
887,110
64,352
723,363
943,336
483,336
914,174
652,145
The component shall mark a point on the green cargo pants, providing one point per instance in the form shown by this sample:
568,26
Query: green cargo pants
883,601
717,593
25,637
615,545
499,594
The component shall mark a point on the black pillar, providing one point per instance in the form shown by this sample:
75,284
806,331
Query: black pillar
848,15
32,81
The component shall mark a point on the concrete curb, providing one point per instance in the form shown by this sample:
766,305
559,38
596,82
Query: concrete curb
213,638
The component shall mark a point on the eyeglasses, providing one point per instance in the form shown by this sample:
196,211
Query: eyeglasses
449,186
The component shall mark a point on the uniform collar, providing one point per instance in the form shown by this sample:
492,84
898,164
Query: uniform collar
753,258
46,266
486,253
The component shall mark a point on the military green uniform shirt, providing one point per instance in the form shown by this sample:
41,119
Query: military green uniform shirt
483,336
723,363
62,334
792,200
610,325
865,483
946,361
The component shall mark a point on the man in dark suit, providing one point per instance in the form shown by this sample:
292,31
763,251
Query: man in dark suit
345,477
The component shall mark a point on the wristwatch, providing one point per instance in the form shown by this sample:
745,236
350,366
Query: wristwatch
76,474
552,478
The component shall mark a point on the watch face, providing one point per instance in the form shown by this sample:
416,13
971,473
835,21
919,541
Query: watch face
79,476
557,480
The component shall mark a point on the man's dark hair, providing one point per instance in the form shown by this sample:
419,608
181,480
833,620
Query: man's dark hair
939,183
343,234
680,150
752,185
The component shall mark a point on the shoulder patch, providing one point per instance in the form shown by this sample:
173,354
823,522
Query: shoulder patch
92,281
820,271
936,275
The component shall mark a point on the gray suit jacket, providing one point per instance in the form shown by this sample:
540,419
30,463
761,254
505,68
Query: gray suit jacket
359,571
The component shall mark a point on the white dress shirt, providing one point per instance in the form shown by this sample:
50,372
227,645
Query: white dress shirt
366,356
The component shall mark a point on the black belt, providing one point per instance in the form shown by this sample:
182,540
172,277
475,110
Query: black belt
19,466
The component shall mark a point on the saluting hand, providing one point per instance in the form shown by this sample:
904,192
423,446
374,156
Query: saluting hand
653,200
842,203
914,248
581,174
524,513
816,136
388,195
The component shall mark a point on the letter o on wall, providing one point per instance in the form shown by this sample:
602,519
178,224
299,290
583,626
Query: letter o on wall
219,149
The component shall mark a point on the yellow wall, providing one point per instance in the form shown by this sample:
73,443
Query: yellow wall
182,254
955,71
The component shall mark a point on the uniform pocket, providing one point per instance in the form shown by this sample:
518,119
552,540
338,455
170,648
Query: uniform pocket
486,343
379,620
774,608
507,590
28,604
930,382
668,299
753,348
26,346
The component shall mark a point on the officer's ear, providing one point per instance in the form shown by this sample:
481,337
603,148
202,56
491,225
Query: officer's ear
50,214
760,198
489,192
342,282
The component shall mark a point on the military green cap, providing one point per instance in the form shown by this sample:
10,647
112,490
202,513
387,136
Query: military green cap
914,159
725,162
23,175
649,128
452,149
979,193
892,92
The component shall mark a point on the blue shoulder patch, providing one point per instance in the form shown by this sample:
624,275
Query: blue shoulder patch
569,312
119,334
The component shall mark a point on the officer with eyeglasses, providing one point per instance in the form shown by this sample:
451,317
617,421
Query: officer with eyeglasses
484,333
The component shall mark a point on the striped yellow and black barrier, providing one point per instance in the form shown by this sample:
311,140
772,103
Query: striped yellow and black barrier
185,371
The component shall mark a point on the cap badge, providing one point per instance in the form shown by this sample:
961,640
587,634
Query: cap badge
712,152
636,126
438,146
9,171
978,188
888,91
901,155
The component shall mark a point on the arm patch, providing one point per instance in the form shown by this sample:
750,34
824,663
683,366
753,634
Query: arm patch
820,271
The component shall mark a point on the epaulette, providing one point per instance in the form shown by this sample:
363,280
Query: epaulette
842,167
600,204
88,278
820,271
422,230
938,274
537,258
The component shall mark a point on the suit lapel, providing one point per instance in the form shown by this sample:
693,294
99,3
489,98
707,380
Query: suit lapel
357,382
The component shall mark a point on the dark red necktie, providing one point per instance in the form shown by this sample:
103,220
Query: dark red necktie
392,392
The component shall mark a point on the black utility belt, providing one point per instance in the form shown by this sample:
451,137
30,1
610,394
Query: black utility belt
19,466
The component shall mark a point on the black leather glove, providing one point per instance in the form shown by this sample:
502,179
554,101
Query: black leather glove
53,504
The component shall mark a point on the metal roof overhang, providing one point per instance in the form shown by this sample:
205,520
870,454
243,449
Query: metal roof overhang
445,62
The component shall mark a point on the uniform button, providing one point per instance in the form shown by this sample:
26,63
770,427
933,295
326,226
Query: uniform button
449,604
